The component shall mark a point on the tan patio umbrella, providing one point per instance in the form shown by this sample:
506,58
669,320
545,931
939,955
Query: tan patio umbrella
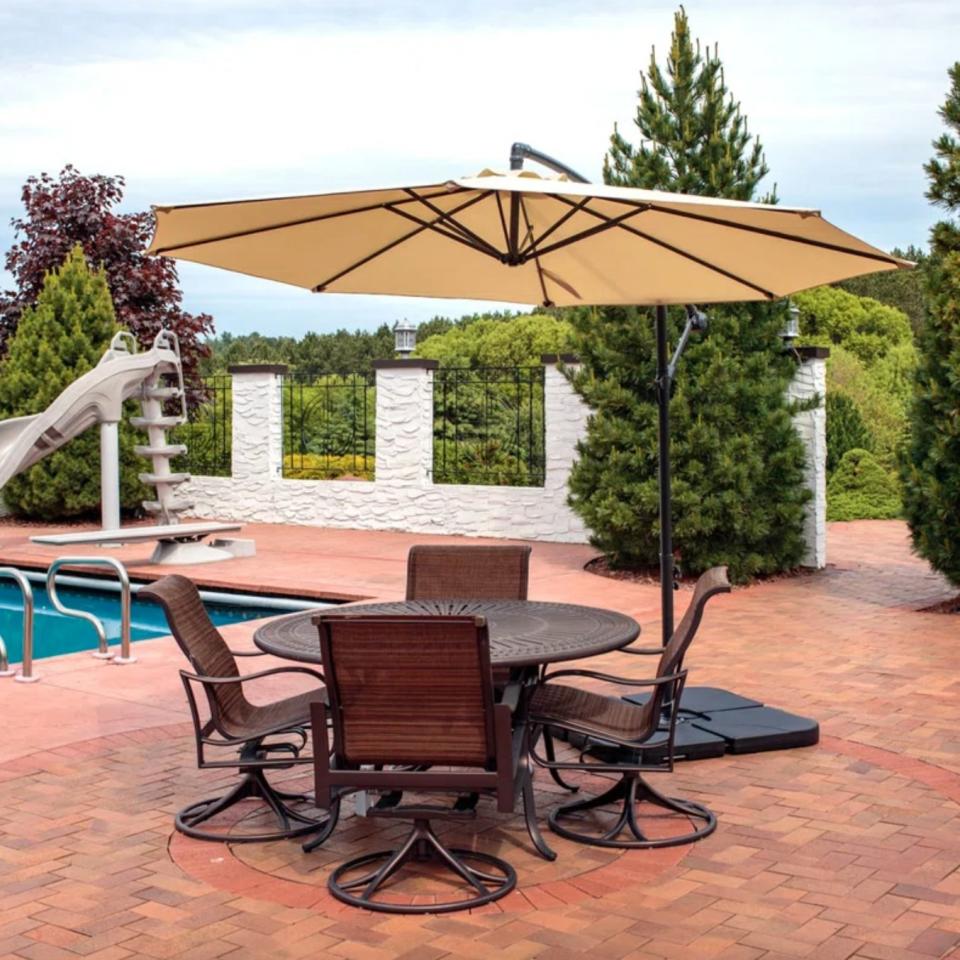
529,239
521,238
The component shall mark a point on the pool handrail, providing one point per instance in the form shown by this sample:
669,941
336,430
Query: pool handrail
103,648
25,674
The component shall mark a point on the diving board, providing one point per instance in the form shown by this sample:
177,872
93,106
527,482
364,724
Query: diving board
176,543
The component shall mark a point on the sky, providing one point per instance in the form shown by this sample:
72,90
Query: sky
219,99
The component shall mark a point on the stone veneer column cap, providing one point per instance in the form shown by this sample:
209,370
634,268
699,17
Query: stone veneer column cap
278,368
548,358
412,363
812,353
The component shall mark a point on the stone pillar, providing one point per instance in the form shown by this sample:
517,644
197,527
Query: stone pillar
566,416
810,381
404,421
257,421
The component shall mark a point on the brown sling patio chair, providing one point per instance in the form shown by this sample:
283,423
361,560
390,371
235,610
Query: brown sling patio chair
265,736
444,734
468,572
643,732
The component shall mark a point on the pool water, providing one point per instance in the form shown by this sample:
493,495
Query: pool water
54,634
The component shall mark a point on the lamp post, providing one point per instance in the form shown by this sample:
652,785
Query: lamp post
791,329
404,338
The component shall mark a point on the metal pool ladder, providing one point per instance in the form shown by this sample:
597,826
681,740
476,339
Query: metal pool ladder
103,648
25,675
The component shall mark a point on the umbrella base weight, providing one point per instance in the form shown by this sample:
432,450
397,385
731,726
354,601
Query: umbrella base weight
741,724
756,729
713,722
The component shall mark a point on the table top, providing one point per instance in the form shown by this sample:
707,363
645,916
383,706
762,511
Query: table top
522,632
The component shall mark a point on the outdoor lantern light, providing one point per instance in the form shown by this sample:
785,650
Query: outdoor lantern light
404,338
791,329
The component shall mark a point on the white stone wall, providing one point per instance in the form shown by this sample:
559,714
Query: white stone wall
404,497
811,381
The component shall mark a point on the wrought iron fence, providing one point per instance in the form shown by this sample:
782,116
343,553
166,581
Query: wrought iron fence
328,426
208,432
488,426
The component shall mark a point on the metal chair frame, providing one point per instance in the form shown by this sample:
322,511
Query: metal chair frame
656,729
506,772
253,746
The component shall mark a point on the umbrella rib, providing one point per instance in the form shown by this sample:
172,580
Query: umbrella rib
546,233
475,238
503,220
513,243
296,223
536,258
320,287
489,252
610,222
769,294
766,231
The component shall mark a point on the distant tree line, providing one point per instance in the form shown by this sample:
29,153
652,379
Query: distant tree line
341,351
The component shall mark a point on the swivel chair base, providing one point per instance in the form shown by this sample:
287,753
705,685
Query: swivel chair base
630,790
255,786
422,844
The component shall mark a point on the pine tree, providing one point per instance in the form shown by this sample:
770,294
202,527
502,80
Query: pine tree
694,139
59,339
737,460
931,472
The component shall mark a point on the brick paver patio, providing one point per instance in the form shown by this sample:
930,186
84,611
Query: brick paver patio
847,849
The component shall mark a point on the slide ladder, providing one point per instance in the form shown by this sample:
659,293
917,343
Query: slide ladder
155,395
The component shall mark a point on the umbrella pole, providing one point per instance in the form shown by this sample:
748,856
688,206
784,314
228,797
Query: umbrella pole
666,521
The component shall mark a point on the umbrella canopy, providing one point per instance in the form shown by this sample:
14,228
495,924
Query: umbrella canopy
522,238
530,239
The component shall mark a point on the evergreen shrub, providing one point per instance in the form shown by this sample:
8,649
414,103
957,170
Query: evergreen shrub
860,489
931,468
58,339
845,428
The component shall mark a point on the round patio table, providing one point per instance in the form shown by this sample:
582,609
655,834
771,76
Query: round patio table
523,633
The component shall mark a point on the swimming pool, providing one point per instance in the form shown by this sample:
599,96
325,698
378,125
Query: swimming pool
55,634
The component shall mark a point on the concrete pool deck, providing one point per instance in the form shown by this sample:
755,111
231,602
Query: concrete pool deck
847,849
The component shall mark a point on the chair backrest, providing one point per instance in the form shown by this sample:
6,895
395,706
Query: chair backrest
469,572
201,642
709,584
409,689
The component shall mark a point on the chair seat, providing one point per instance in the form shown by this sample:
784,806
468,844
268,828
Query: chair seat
601,715
282,715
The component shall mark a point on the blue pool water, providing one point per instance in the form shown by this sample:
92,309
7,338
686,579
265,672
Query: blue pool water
54,634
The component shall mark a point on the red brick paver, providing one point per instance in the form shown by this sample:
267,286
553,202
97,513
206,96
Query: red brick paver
847,850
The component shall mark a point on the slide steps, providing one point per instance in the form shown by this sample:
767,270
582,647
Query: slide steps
153,395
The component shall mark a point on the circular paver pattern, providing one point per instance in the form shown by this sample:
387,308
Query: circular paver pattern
841,844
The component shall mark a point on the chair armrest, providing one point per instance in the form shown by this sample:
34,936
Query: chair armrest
641,651
243,678
620,681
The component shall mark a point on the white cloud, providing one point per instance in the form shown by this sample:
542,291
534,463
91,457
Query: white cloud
843,95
